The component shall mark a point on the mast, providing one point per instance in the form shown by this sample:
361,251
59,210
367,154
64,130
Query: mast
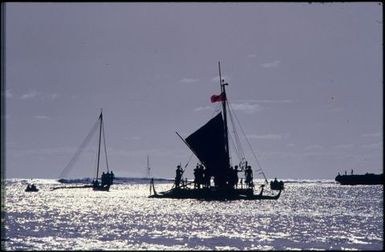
148,167
100,138
223,92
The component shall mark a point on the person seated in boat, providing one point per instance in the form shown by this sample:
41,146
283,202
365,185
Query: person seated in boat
178,176
28,187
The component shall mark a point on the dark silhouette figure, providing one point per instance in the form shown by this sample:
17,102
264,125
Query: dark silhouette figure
249,176
95,183
206,177
112,178
104,179
198,176
178,176
31,188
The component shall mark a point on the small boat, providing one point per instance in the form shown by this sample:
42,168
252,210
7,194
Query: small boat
31,188
365,179
215,178
277,185
102,182
106,179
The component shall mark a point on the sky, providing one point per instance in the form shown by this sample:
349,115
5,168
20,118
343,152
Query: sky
305,83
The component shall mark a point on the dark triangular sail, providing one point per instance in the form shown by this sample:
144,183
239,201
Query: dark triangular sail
208,144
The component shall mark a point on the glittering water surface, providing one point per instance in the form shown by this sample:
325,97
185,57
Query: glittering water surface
311,215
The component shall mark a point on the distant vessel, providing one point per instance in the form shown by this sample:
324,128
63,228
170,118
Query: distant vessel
106,179
101,182
214,177
31,188
365,179
276,185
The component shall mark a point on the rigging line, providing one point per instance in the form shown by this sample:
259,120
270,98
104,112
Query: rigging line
237,139
252,151
105,148
192,154
69,166
235,147
96,161
188,146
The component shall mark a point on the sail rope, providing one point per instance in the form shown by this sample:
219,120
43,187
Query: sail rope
105,148
237,144
192,154
85,142
260,170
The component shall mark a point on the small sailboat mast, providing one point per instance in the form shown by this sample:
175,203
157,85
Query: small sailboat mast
100,138
148,167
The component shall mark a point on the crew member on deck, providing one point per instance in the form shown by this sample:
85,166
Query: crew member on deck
249,176
178,176
198,176
104,179
112,178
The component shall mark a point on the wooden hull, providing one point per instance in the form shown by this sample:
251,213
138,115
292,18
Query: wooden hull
101,188
31,190
214,194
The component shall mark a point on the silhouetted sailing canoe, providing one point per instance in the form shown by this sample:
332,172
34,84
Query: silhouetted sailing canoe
215,178
102,182
365,179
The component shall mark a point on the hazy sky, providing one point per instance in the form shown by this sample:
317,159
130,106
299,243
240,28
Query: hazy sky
305,81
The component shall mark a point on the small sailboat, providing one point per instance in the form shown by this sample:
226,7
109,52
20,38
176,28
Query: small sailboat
214,178
31,188
101,182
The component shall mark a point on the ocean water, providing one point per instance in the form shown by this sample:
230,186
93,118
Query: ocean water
308,215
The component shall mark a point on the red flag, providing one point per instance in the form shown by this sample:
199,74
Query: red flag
217,98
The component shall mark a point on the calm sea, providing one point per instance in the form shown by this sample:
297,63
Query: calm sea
308,215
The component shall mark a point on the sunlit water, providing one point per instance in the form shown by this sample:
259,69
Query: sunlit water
311,215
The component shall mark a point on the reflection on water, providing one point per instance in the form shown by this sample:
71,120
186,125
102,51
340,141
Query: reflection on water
306,216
